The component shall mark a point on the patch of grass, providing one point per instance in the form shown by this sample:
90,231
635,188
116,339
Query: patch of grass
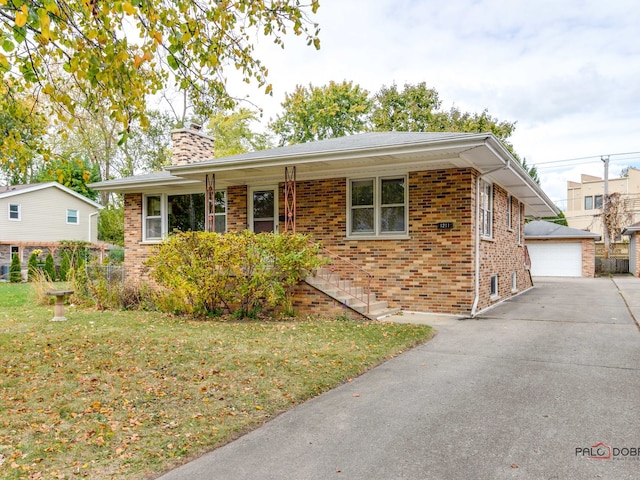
128,394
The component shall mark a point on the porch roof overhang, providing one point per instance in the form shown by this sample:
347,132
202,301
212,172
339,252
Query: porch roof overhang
377,153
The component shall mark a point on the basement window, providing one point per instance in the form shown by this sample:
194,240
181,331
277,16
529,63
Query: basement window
494,287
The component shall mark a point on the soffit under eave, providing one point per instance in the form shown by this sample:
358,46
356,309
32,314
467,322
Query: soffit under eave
372,165
169,184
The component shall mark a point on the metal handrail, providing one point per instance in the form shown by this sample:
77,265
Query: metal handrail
359,283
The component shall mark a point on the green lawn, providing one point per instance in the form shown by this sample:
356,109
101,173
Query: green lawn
129,394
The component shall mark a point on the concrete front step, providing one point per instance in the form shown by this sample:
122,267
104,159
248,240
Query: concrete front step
377,309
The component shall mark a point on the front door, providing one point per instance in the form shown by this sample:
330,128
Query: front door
263,206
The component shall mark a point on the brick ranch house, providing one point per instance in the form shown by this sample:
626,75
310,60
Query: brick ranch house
435,219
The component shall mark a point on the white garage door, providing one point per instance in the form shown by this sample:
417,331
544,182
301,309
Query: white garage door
555,259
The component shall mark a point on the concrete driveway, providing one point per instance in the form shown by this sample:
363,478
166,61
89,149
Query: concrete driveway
530,390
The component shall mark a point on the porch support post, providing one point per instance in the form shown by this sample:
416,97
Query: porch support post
290,199
210,203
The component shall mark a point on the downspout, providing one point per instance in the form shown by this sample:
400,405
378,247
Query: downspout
476,300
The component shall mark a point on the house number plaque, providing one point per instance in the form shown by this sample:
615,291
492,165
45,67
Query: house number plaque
445,225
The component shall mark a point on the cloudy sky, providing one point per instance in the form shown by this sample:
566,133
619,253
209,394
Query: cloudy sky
567,71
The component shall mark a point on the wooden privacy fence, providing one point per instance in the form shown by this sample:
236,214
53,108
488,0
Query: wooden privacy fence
612,265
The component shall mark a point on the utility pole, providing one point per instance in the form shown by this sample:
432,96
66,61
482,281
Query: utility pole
605,206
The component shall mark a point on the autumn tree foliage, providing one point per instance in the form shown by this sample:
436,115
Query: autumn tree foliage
317,113
339,109
117,52
233,133
23,127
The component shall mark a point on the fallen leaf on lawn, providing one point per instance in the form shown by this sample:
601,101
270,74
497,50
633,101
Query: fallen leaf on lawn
515,465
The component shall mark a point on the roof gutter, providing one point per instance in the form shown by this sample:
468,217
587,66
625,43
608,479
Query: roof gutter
519,170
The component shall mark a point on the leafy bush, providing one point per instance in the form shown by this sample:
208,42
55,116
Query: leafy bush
65,266
116,256
239,272
33,268
77,250
50,268
15,270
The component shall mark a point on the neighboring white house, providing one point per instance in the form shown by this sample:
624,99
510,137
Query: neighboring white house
38,216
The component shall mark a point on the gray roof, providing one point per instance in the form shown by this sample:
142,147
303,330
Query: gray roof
368,140
541,229
631,229
12,190
361,154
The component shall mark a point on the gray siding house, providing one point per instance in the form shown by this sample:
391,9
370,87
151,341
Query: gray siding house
38,216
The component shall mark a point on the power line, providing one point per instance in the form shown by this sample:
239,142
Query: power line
593,158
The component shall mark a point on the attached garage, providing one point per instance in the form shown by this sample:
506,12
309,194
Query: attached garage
559,251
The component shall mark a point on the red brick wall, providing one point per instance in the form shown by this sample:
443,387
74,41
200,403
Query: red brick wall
237,208
310,301
502,255
430,270
135,251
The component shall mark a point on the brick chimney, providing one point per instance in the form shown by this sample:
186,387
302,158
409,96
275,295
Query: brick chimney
190,145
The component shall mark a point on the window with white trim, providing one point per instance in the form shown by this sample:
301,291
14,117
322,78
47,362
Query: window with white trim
221,211
152,213
163,214
15,250
14,211
72,216
377,206
514,281
509,212
520,226
486,209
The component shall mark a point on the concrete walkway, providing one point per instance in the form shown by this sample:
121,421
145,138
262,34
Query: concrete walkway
522,392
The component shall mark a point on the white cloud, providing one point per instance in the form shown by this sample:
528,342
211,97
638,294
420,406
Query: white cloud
567,72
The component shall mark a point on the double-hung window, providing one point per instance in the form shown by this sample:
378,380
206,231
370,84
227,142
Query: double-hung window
152,214
221,211
14,211
72,216
486,209
509,212
519,226
377,206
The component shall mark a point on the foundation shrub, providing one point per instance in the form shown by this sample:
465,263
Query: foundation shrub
243,273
